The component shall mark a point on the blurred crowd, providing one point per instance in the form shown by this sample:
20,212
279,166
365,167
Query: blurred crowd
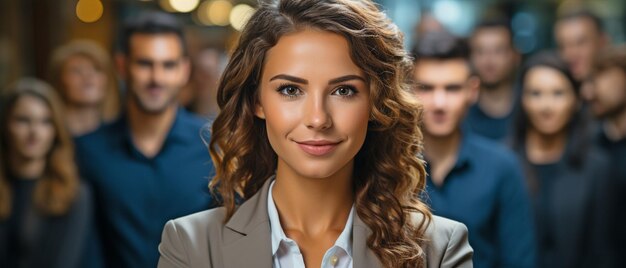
529,152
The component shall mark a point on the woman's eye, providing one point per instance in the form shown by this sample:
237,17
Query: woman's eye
290,91
345,91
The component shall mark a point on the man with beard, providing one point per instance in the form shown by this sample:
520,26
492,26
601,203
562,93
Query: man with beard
494,59
151,164
580,37
606,95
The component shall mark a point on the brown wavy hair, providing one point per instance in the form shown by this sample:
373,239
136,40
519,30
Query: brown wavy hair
389,176
110,105
56,190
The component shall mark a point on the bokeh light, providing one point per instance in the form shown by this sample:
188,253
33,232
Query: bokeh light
240,15
184,6
89,10
218,12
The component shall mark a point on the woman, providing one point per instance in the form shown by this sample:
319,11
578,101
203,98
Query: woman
318,136
81,71
44,211
567,176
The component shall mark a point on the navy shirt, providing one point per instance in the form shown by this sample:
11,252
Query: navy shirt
135,195
486,191
494,128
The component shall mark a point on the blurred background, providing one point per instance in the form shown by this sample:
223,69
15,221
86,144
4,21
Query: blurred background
73,45
31,29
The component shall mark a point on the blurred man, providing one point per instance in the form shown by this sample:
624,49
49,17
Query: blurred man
580,37
607,98
151,165
471,179
495,60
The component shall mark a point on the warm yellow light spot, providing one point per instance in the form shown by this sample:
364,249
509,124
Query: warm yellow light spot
184,6
240,15
165,5
89,10
218,12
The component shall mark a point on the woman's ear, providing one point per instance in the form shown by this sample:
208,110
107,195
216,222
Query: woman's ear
258,110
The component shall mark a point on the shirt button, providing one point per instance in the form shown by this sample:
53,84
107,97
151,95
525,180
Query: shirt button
333,260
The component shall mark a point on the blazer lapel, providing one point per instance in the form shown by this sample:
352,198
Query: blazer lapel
247,240
362,256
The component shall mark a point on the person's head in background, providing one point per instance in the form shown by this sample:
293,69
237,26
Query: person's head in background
579,37
34,144
444,83
153,62
81,71
493,54
607,93
550,114
208,66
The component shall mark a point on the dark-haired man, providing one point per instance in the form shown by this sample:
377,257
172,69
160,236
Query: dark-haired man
150,165
471,179
580,37
495,60
606,96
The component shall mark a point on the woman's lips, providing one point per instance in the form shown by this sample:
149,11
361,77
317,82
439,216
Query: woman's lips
318,148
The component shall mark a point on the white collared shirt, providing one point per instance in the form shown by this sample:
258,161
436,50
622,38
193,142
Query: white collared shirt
286,253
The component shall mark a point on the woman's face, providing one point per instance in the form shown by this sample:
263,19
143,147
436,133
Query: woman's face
30,128
315,102
548,99
85,85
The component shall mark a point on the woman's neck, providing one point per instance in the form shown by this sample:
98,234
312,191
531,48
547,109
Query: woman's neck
545,149
82,119
313,205
26,168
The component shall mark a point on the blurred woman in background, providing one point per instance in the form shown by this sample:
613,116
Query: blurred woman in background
44,210
566,175
81,71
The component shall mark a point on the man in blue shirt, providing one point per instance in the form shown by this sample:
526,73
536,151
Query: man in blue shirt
471,179
151,165
495,61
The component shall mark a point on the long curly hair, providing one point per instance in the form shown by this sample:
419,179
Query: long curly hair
389,176
56,190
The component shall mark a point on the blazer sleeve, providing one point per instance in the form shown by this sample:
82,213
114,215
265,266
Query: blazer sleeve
458,252
172,248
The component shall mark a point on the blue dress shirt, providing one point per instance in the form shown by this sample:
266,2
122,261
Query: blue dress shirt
136,195
486,191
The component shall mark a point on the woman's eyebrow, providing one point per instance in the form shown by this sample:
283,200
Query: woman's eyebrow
290,78
346,78
331,82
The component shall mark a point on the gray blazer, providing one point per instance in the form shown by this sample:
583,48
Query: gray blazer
203,240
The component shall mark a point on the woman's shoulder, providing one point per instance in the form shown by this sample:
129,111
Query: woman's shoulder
200,220
442,229
447,243
186,240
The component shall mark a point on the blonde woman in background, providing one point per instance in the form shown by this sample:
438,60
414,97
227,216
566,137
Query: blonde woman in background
81,71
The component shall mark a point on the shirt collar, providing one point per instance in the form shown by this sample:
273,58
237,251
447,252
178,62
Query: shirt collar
177,132
464,156
344,240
